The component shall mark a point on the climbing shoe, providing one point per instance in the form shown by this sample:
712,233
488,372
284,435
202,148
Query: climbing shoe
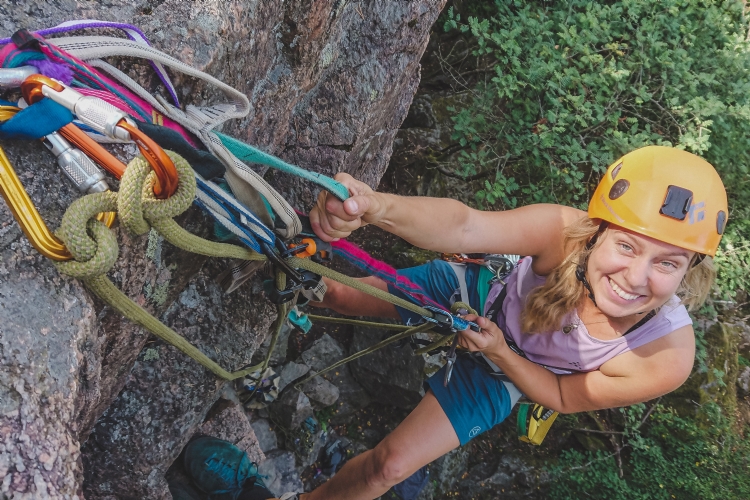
219,468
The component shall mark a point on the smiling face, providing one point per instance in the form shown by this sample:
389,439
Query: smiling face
630,273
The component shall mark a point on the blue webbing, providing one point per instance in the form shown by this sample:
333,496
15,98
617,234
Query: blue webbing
36,121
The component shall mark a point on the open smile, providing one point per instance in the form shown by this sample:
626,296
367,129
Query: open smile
622,293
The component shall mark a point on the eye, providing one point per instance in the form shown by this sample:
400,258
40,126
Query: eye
669,266
625,247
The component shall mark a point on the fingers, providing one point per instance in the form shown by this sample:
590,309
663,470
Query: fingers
488,338
332,219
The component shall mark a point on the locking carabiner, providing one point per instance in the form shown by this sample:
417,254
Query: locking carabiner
108,120
27,215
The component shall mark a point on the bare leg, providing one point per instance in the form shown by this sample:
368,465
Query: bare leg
425,435
350,302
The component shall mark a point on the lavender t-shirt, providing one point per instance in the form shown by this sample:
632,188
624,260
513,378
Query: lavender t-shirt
576,351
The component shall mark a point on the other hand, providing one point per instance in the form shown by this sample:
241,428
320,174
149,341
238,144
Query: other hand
332,219
489,339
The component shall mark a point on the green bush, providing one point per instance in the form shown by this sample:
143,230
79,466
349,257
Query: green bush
573,85
669,457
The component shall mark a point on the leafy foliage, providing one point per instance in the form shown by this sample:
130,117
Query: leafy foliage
666,458
573,85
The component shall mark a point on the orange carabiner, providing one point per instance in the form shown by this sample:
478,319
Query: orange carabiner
37,87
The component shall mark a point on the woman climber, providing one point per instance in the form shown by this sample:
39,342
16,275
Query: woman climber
597,306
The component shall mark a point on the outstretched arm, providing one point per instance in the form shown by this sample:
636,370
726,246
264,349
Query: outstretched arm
446,225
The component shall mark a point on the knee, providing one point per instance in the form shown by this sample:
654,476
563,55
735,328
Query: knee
389,466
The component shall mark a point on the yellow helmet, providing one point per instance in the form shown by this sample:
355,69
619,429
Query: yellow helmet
665,193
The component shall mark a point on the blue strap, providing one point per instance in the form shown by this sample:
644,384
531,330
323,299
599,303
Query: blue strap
250,154
36,121
233,215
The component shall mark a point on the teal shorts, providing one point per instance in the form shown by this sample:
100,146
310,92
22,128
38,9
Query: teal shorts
475,400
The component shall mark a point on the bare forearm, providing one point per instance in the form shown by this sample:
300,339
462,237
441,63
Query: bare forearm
536,382
437,224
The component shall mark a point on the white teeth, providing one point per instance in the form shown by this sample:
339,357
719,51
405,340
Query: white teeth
622,293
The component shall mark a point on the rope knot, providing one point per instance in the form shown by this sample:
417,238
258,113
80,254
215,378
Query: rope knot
138,208
91,242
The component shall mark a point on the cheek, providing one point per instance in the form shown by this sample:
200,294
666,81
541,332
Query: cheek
606,263
666,284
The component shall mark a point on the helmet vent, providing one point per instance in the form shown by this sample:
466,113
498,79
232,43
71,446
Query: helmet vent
677,202
616,171
721,221
618,189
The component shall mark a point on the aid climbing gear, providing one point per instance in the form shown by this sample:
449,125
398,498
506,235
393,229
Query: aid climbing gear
534,422
667,194
14,77
27,215
78,167
107,120
141,206
450,361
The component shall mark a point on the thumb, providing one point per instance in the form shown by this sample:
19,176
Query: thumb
358,205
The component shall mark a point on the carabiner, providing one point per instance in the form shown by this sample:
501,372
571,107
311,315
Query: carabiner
108,120
11,78
27,215
74,164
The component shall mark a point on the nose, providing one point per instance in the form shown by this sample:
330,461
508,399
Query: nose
638,274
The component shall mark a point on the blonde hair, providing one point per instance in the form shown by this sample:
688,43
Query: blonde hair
547,304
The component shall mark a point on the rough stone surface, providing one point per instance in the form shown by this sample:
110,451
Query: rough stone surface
321,392
352,396
227,421
281,473
391,375
329,82
324,352
291,372
265,435
165,399
291,409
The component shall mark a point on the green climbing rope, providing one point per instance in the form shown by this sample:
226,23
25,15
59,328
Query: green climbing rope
95,248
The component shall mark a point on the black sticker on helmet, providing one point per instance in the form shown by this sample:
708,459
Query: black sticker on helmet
676,202
721,221
618,189
616,170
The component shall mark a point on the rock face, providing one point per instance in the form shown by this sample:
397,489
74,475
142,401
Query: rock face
330,81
